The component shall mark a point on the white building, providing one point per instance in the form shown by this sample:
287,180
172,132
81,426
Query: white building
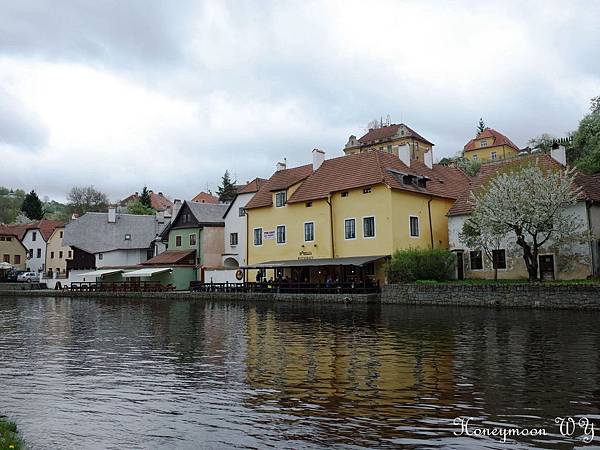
234,255
35,240
573,261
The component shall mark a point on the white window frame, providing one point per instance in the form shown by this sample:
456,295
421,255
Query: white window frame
344,224
237,239
474,157
374,227
313,230
483,143
195,239
418,227
254,237
180,240
494,155
284,234
277,194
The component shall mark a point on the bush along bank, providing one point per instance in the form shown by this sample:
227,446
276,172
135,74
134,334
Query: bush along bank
412,264
9,437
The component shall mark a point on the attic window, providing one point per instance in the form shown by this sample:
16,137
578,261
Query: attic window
308,204
483,143
128,237
280,199
408,179
367,190
345,194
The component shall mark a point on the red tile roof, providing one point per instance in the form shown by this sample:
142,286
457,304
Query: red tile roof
498,139
45,226
463,205
282,179
252,186
16,230
172,257
159,201
387,132
205,197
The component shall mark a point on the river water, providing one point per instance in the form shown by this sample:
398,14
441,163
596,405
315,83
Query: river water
156,374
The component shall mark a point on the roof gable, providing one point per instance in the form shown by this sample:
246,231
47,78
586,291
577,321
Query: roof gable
498,139
280,180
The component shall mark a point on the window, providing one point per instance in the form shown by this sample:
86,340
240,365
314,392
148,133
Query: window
499,259
476,260
367,190
100,256
233,239
177,241
8,239
7,259
70,253
494,155
192,240
389,148
483,143
39,253
186,218
309,231
368,227
128,237
61,234
258,235
60,254
345,194
281,234
30,253
34,236
280,199
242,211
414,226
308,204
474,157
350,229
52,255
17,259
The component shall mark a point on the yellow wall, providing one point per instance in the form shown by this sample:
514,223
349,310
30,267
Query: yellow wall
10,245
55,246
485,153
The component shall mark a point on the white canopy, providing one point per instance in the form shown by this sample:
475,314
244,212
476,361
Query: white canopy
101,272
146,272
5,266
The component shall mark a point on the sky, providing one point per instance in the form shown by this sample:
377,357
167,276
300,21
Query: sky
120,94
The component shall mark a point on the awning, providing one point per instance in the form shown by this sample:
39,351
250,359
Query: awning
351,261
101,272
5,266
146,272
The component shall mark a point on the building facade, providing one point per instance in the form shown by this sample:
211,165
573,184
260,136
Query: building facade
57,254
388,139
12,251
490,145
35,241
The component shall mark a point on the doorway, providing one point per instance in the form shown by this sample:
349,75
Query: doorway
460,266
546,263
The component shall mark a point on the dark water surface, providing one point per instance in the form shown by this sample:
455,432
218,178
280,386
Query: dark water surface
153,374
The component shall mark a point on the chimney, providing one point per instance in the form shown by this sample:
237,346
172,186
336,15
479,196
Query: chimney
428,159
176,206
404,154
112,215
318,158
559,154
281,166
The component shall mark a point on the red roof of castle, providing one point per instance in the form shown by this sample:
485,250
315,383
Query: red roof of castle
205,197
388,131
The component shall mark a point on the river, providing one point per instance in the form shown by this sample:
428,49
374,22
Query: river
166,374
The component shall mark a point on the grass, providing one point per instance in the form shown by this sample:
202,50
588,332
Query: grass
9,437
478,282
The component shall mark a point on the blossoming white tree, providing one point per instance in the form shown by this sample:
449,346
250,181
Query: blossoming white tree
531,204
477,232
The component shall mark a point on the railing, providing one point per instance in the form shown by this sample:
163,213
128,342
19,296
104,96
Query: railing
287,287
123,286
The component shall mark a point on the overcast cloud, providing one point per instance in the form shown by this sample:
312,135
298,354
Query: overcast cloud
123,93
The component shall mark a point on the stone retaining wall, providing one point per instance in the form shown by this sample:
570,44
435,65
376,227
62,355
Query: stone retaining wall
237,296
499,295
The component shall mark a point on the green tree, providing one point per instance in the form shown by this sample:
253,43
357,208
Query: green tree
32,206
10,204
145,198
586,141
227,191
543,142
471,168
138,208
84,199
481,126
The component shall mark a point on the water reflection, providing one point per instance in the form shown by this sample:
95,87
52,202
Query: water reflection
190,374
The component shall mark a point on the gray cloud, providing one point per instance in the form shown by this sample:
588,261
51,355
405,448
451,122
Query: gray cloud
19,126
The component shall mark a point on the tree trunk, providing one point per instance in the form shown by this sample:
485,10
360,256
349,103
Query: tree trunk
530,258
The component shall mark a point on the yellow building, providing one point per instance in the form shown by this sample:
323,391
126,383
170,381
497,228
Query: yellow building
12,251
490,145
388,139
341,218
57,254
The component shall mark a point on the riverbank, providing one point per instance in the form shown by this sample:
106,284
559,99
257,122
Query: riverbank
9,437
497,295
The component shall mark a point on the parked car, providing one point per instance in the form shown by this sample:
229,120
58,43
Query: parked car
29,277
13,274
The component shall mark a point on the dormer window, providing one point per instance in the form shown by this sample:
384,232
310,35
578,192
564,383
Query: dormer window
422,182
483,143
345,194
280,199
308,204
367,190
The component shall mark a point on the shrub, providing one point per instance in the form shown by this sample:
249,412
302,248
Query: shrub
416,264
